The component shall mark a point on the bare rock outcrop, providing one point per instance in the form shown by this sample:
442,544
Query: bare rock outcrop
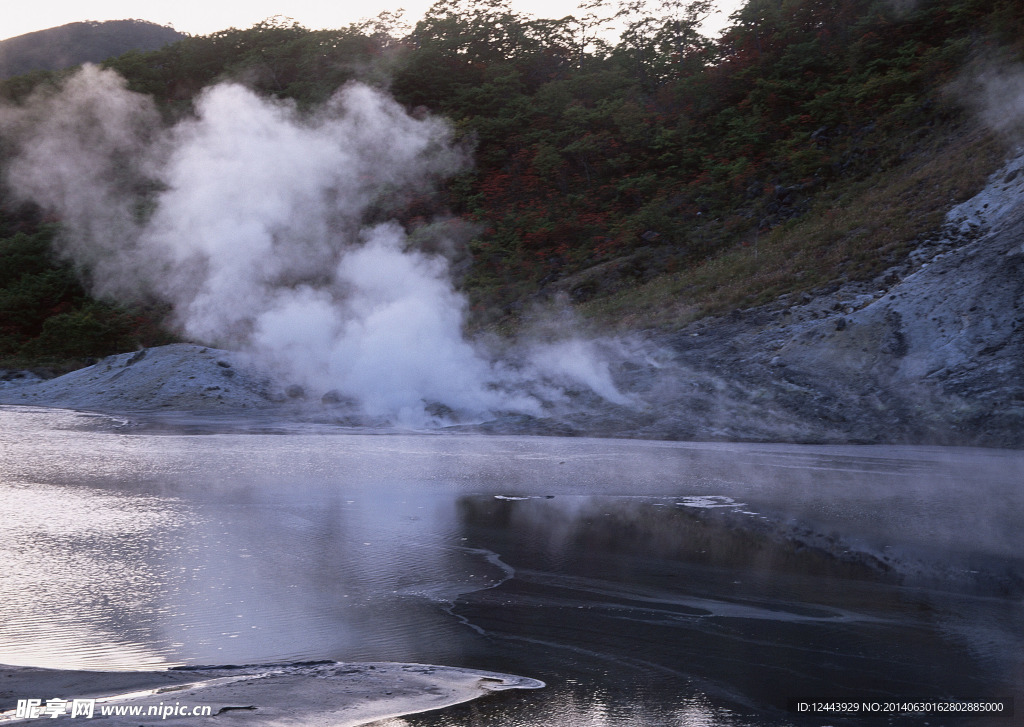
930,352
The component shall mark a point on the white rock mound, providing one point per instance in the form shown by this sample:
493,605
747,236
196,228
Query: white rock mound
180,377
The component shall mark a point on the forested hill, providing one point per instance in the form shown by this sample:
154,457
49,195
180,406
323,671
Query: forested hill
84,42
650,180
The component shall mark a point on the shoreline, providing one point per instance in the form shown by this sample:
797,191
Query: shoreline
320,694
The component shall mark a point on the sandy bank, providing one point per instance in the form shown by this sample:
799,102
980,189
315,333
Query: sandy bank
322,694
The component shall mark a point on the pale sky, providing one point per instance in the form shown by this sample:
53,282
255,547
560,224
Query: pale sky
200,17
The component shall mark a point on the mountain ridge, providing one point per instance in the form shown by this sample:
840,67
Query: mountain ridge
89,41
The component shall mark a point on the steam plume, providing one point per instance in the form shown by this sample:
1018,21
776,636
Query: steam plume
999,93
268,231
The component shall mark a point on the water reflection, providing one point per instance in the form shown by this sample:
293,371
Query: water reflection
573,705
135,552
646,582
758,611
69,553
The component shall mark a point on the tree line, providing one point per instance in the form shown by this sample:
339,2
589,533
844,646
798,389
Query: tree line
653,152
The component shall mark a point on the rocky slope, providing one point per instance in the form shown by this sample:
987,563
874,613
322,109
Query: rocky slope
930,352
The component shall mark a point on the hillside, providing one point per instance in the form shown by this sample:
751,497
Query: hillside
904,358
669,184
75,43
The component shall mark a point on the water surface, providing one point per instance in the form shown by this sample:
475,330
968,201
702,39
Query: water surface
648,583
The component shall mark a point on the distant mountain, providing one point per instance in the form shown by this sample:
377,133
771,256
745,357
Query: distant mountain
74,43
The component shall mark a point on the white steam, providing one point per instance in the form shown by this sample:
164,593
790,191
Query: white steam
577,361
998,92
268,231
993,87
82,154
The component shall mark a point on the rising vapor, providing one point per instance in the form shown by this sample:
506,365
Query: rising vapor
271,232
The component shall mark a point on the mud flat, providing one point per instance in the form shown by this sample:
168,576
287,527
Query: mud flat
330,694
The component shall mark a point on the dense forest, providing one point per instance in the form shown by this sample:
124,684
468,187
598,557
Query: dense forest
648,180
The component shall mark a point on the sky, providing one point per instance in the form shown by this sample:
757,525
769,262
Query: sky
199,17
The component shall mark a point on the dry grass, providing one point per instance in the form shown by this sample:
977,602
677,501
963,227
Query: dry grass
853,232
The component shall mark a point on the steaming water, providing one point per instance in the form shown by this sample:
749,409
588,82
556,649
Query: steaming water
647,583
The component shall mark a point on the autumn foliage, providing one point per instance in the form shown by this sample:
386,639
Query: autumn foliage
588,150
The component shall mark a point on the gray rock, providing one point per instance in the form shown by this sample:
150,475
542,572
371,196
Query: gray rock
930,353
180,377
